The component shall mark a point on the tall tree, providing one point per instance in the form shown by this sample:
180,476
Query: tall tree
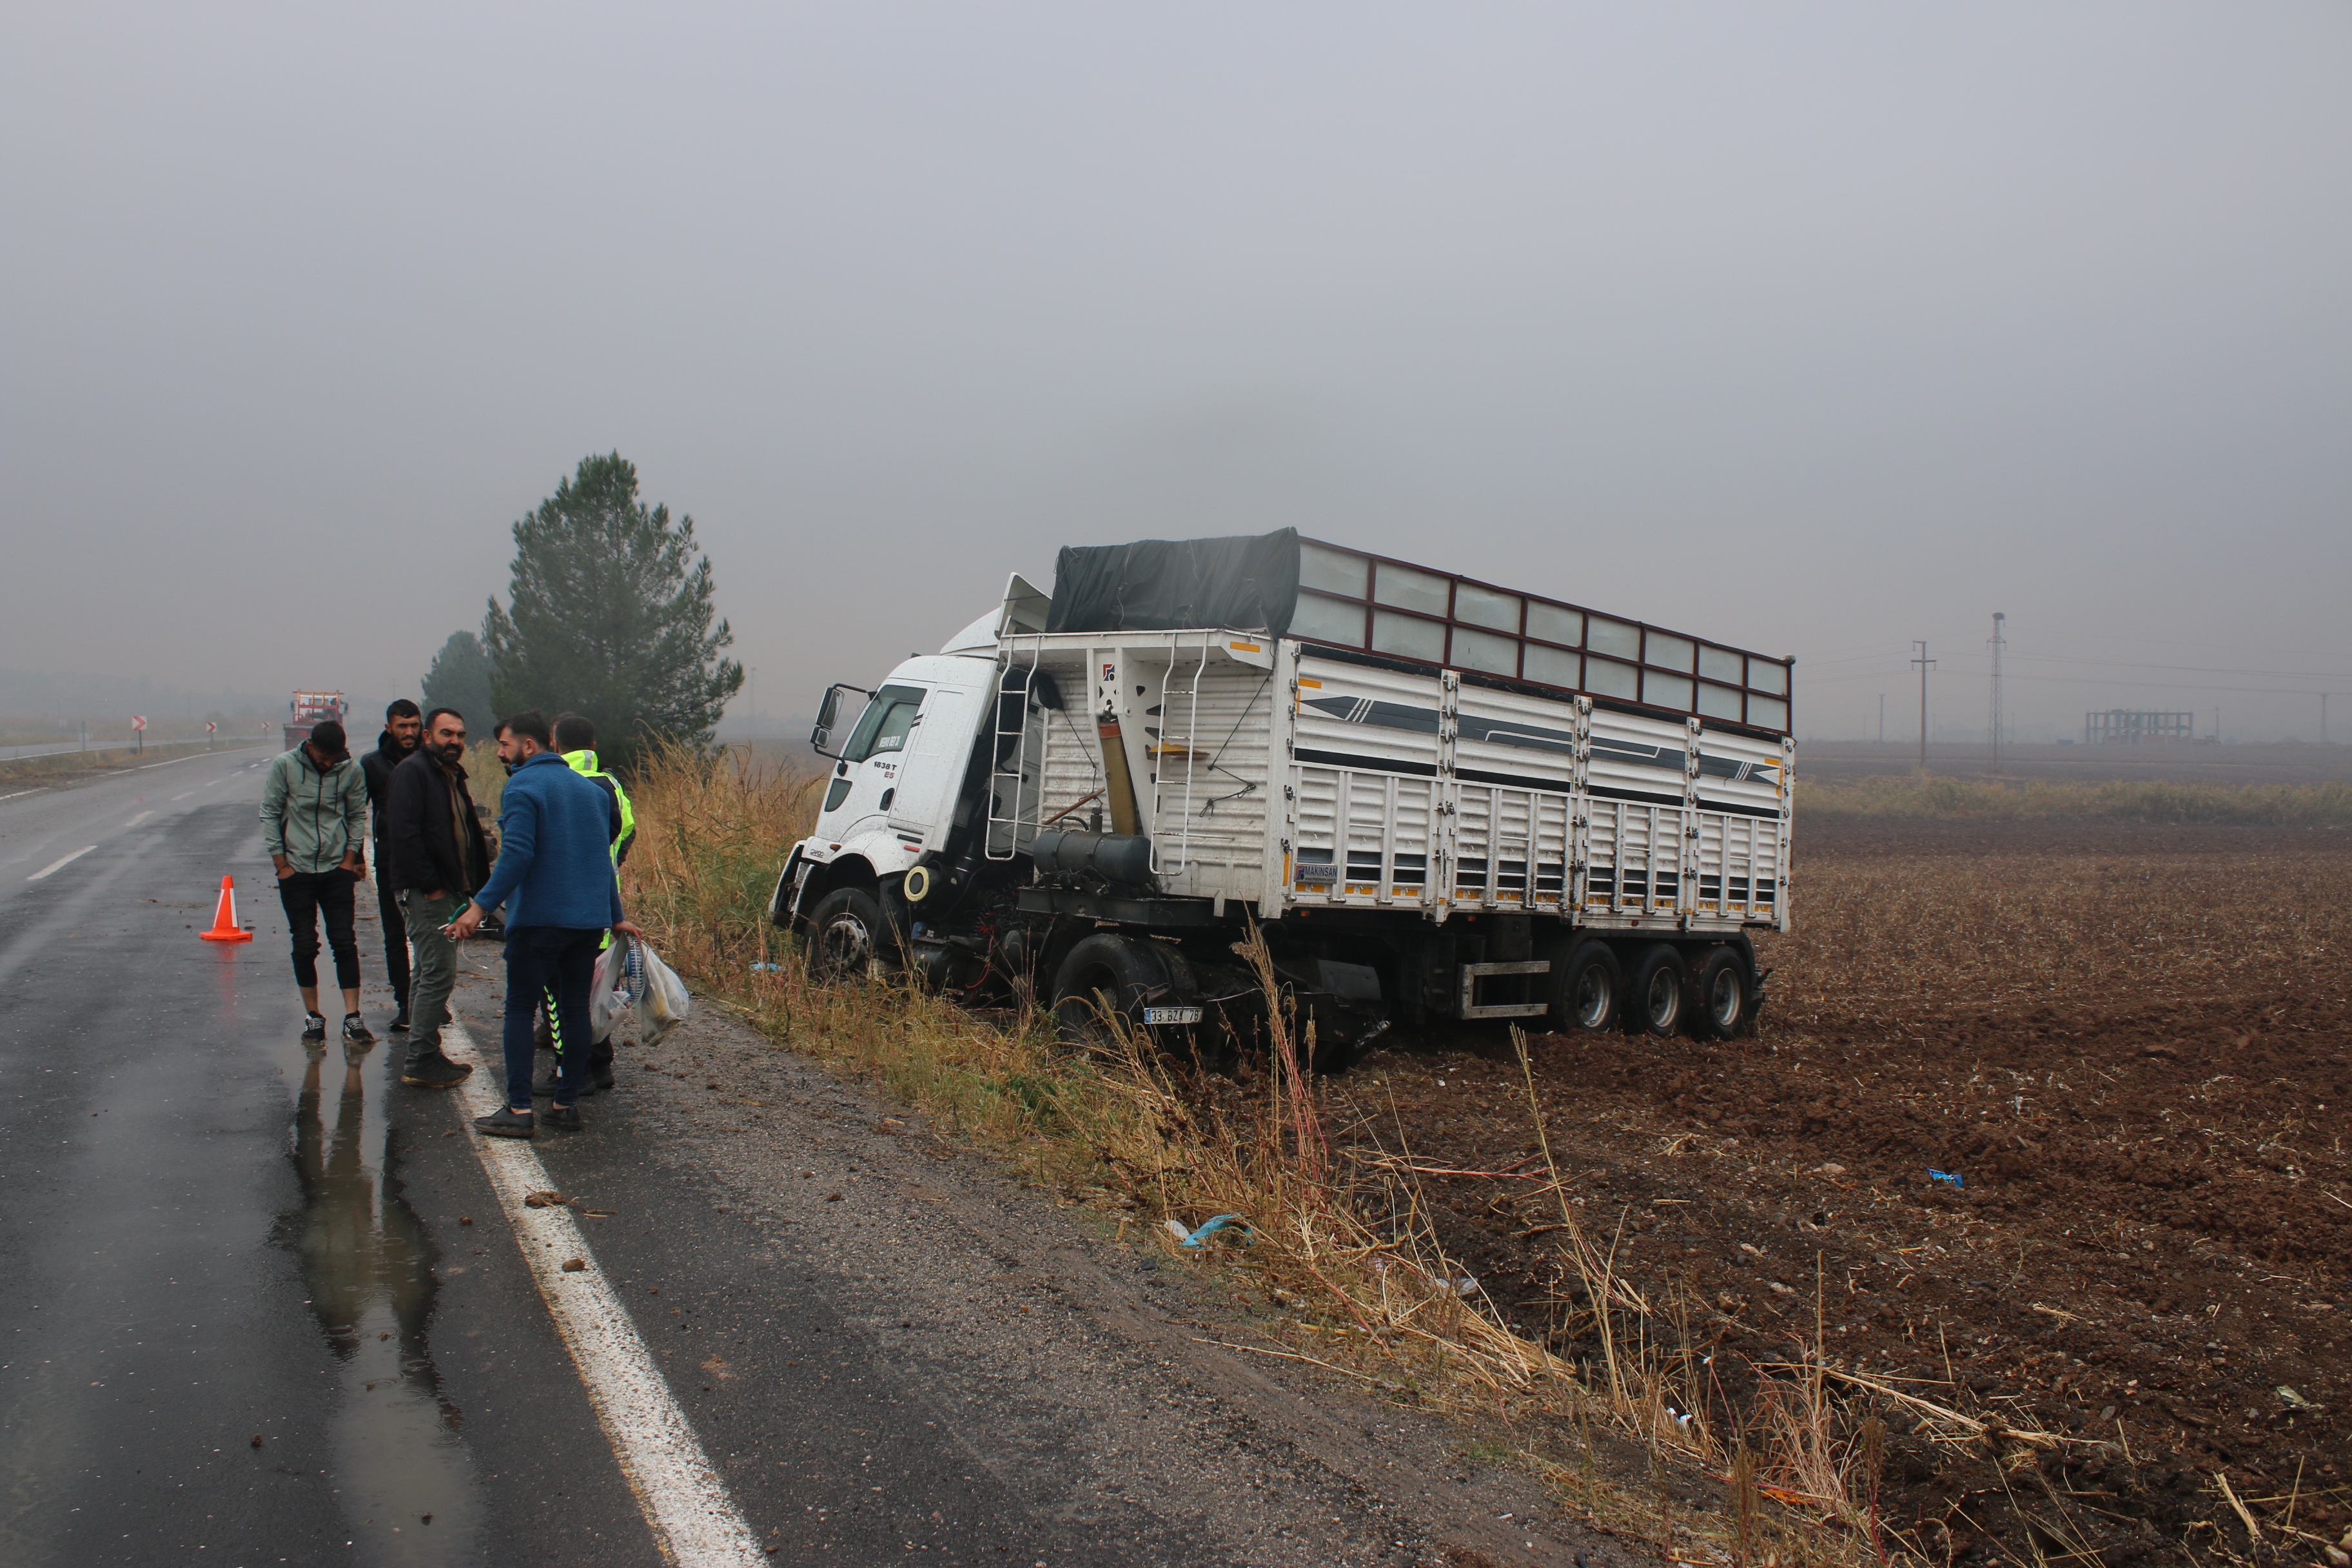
611,616
460,679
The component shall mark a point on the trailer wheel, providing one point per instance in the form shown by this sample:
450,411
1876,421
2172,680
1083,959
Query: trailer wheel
1722,993
1099,992
1586,989
1657,993
846,934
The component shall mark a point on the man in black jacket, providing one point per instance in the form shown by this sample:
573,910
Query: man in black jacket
436,857
402,729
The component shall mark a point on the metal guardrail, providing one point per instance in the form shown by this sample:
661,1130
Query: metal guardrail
51,749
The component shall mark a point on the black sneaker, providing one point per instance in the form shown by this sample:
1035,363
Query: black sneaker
547,1088
315,1028
399,1025
438,1073
600,1079
355,1030
566,1117
506,1123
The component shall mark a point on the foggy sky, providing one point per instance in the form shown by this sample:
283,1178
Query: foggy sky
1812,328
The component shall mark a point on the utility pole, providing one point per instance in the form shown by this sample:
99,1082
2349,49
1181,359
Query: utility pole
1925,663
2322,717
1998,642
1882,718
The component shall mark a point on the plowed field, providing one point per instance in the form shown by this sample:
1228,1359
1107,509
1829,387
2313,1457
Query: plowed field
2131,1047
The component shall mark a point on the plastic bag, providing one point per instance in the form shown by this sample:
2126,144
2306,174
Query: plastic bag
664,1004
619,982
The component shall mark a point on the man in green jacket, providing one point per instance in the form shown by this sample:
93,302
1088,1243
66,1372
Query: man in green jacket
313,812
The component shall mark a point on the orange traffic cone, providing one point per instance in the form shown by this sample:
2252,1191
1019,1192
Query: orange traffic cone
224,926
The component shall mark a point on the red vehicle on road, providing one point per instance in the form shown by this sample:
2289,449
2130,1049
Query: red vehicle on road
308,710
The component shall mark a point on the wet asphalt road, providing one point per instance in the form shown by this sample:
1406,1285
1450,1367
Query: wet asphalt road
245,1323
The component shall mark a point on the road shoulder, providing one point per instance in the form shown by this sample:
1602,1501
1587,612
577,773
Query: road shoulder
1069,1376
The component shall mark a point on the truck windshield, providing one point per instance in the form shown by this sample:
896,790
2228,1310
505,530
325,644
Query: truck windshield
883,726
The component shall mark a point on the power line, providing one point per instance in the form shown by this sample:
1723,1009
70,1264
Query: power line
2100,681
2165,684
2190,669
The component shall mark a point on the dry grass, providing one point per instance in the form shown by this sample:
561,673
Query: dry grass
2257,804
1336,1231
485,776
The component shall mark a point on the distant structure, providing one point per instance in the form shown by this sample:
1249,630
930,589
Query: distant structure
2130,726
1997,644
1924,664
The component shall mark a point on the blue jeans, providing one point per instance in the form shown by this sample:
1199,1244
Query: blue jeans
554,961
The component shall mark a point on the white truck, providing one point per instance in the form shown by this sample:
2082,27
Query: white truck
1437,798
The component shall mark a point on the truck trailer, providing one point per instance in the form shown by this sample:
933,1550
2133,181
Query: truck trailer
1434,797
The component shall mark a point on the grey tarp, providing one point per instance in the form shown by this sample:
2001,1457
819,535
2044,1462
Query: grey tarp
1249,583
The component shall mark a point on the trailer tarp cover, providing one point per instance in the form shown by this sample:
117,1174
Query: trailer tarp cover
1247,582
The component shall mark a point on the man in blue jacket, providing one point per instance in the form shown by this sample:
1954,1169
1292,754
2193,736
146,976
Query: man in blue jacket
554,875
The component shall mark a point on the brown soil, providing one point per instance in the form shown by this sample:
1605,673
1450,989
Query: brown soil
2133,1046
2276,762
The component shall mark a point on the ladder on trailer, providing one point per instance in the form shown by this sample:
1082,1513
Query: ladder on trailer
1015,686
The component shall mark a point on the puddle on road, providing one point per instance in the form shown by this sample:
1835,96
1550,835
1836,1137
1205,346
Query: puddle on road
367,1263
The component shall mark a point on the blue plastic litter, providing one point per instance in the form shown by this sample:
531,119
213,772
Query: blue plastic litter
766,969
1223,1222
1949,1178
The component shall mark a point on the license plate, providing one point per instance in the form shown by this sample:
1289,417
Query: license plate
1171,1015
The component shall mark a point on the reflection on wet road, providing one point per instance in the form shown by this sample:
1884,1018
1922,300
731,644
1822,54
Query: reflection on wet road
407,1483
225,1330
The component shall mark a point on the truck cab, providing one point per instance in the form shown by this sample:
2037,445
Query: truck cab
897,794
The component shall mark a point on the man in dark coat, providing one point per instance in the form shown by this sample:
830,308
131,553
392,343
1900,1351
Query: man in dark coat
402,729
437,856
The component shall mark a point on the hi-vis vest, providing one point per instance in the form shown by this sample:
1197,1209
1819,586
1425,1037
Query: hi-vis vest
584,765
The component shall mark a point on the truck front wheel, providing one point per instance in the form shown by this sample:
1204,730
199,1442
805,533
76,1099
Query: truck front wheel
1657,995
1099,992
846,934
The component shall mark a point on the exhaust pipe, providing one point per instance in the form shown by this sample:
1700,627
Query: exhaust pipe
1124,816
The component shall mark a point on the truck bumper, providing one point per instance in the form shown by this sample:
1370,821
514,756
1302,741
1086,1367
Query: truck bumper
784,904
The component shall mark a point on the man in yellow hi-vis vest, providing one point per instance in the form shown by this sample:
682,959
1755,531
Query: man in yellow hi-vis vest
575,737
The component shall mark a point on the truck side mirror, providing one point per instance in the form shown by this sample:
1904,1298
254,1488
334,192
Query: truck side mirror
828,714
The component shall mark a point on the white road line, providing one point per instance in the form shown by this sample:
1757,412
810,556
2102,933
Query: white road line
186,793
143,816
20,793
60,865
693,1517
